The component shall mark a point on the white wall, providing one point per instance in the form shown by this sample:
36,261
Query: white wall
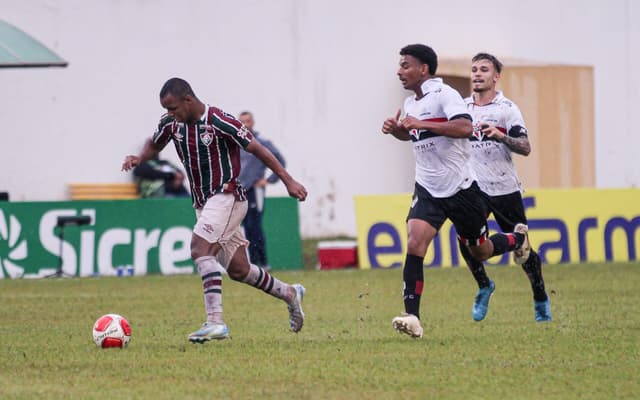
318,75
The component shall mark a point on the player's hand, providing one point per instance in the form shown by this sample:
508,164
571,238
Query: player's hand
296,190
390,125
130,162
492,132
410,123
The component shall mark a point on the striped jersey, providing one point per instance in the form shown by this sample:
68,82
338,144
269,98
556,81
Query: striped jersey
490,158
209,150
442,163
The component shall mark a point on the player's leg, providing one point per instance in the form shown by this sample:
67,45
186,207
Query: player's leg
468,209
203,254
212,222
424,220
500,243
234,256
476,267
486,286
509,211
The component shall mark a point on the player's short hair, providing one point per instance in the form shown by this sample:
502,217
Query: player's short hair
489,57
422,53
245,113
177,87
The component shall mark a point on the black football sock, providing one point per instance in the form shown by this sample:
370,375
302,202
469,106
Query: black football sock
413,276
533,268
476,267
504,242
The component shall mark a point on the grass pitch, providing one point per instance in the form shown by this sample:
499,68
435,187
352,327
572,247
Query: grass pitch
347,348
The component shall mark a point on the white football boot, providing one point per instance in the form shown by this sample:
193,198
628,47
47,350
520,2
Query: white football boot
209,331
408,324
521,255
296,316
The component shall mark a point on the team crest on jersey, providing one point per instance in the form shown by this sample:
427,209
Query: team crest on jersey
477,132
206,134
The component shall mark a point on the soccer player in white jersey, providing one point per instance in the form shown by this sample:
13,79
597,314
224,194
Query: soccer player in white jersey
436,121
499,131
208,142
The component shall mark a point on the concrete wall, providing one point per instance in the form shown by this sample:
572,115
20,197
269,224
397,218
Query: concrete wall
319,76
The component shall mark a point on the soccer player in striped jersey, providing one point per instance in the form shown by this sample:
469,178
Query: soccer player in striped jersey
438,124
499,131
208,142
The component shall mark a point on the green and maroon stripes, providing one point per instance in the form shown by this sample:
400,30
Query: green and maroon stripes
212,282
265,281
209,150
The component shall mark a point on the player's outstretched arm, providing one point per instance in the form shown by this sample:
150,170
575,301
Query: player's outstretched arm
294,188
148,152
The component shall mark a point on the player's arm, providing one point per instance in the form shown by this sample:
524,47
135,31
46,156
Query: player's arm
149,151
294,188
458,127
392,126
519,145
516,139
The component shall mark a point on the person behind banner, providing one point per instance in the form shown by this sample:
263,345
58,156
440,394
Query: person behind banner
252,178
436,121
208,142
157,178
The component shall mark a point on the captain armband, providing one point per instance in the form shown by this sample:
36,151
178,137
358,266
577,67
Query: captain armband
517,131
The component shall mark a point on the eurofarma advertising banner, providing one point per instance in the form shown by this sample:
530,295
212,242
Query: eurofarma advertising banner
135,237
565,226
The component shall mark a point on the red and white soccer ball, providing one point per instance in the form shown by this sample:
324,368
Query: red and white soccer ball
111,330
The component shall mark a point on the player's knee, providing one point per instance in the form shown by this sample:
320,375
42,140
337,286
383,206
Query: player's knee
238,272
480,253
202,248
236,275
196,253
415,246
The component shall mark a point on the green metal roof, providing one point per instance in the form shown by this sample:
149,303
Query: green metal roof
18,50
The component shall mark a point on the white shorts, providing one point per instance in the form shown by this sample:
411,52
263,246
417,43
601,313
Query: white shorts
219,221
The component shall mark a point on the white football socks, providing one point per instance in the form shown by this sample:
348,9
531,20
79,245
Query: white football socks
211,273
262,280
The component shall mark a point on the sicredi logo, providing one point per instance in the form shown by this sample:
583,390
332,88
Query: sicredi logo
98,244
12,249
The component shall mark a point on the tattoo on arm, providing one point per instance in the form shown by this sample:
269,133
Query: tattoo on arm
518,145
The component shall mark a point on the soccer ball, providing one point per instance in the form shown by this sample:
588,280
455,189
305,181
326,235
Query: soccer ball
111,330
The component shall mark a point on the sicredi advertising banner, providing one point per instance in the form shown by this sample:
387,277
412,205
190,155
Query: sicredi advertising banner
565,226
135,237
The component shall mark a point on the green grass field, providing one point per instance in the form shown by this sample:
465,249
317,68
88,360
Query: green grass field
347,349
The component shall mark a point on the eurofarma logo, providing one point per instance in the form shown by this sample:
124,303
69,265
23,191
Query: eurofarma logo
12,249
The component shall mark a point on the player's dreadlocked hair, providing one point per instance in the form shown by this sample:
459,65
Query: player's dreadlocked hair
177,87
491,58
422,53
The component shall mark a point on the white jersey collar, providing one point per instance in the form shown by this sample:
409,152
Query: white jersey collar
429,84
498,97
